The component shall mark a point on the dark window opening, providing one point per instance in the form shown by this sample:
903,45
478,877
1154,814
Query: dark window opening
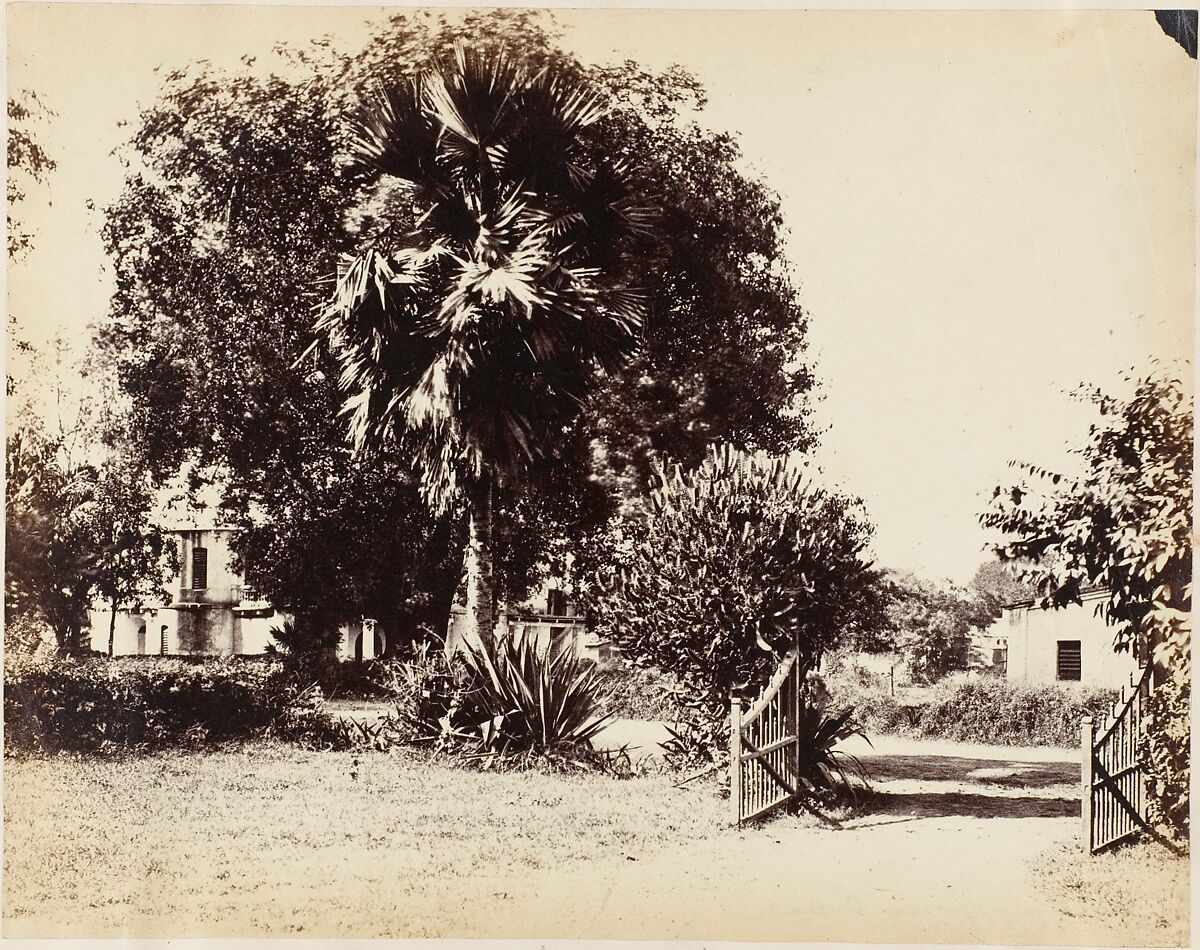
199,568
556,603
1070,660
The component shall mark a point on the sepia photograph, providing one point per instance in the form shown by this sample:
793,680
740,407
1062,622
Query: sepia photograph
599,474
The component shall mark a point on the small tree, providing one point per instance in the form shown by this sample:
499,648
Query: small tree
931,625
1124,525
733,564
128,552
49,569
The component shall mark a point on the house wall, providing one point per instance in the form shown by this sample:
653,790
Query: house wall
136,633
224,586
544,628
348,647
1033,634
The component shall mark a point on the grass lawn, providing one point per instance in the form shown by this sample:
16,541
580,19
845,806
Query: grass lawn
272,839
1142,885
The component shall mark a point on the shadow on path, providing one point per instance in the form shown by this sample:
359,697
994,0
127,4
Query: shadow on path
941,768
969,805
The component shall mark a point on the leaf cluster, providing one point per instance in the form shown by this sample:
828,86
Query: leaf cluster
1124,525
733,563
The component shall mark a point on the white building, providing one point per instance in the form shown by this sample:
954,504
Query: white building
214,612
1070,644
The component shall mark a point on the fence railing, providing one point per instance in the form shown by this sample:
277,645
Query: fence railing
763,745
1114,779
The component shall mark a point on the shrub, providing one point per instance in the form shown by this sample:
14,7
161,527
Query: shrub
642,692
533,696
731,565
988,710
820,766
1165,750
513,702
342,679
105,706
1007,713
882,713
423,691
305,636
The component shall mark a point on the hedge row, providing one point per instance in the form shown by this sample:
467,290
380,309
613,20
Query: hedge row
993,711
106,706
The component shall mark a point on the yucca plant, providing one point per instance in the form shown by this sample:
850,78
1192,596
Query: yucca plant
528,695
821,767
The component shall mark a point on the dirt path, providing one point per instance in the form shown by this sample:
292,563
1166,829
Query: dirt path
944,856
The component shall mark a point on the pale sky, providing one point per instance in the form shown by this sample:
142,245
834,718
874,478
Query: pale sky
985,209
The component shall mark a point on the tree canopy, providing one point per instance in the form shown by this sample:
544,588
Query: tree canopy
237,206
1124,525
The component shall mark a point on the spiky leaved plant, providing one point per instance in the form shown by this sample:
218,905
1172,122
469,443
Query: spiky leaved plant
531,695
472,321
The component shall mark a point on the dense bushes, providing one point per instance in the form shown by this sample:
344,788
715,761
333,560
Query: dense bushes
106,706
995,711
642,692
728,567
1005,713
1165,749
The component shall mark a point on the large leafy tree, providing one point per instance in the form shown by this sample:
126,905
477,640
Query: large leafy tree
1125,525
236,208
473,336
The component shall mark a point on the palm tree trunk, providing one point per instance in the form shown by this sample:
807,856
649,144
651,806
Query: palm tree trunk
481,585
112,626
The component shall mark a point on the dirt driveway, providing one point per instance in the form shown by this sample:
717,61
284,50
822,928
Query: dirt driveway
943,856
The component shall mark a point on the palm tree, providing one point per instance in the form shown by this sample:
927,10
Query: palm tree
470,326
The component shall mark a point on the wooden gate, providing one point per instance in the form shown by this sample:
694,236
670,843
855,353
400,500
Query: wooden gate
763,746
1114,780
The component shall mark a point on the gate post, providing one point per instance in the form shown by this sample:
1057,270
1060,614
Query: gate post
735,758
1086,740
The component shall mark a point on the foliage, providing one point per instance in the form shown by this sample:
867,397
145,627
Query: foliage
49,567
110,706
24,636
1166,751
996,585
470,330
642,692
301,637
931,624
236,207
28,163
1005,713
984,709
697,741
1124,525
76,530
531,696
510,703
423,691
733,562
820,765
230,215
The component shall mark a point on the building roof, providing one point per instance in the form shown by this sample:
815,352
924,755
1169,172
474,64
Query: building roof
1091,592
